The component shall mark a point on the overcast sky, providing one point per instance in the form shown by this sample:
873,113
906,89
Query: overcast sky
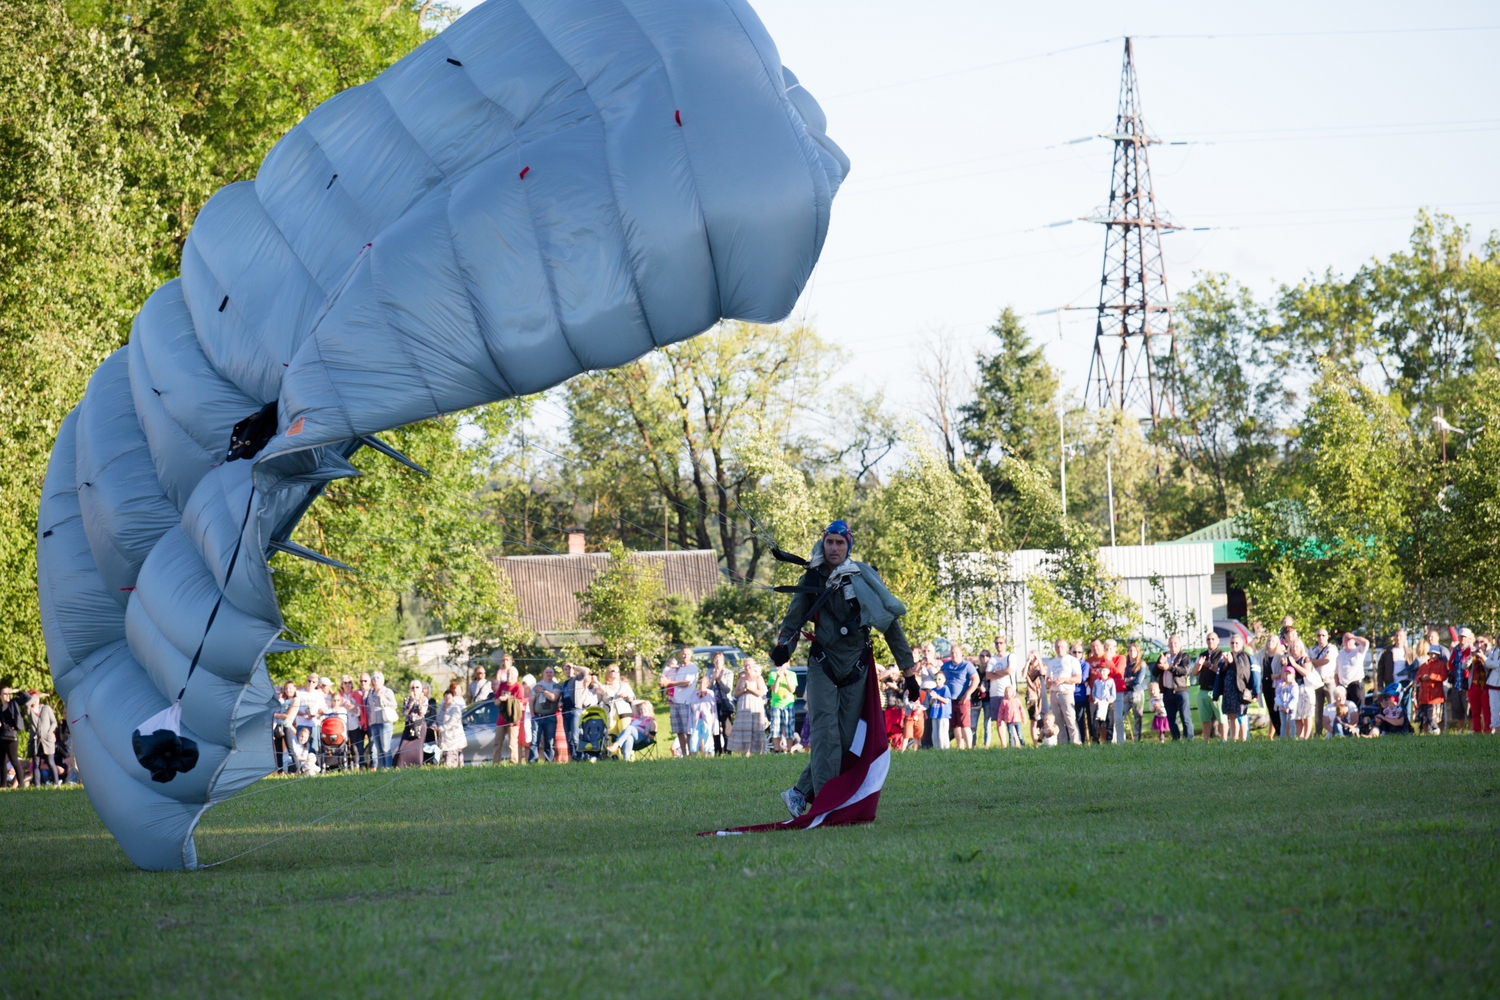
1317,131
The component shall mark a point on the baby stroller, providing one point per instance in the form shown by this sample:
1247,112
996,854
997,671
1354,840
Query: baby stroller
593,733
335,755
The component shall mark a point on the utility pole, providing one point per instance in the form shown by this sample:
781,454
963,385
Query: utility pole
1109,484
1062,457
1133,335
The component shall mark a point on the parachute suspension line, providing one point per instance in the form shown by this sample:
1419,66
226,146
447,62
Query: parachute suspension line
312,823
228,574
291,548
372,441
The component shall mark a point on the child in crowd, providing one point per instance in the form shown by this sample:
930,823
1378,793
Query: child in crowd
939,709
1158,713
1287,693
703,709
1431,677
1012,715
1101,700
640,729
1392,718
913,720
1046,730
301,750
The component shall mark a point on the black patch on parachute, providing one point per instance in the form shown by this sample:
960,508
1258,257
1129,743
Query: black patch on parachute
47,533
330,181
455,62
251,434
787,557
224,303
165,754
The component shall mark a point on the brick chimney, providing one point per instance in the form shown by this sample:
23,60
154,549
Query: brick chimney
575,541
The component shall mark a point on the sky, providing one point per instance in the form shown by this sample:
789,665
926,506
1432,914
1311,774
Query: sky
1314,133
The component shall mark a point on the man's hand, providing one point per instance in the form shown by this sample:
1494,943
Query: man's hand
780,654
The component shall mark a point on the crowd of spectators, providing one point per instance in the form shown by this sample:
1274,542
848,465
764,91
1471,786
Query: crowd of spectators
1094,693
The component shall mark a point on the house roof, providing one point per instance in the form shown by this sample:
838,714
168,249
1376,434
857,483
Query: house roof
1223,535
546,586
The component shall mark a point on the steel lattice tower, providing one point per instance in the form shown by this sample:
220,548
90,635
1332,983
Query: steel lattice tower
1133,335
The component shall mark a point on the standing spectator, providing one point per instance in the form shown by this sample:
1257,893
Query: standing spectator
721,679
963,681
1310,681
1431,676
528,719
913,713
311,704
1395,662
980,712
12,725
510,717
1211,662
1323,655
1135,676
615,693
1036,688
578,695
546,701
1158,713
450,727
1093,666
783,708
1288,693
1435,642
749,733
1102,702
1235,690
1349,667
42,722
1081,695
1173,668
1000,678
359,718
892,702
703,709
939,710
1270,677
380,709
1467,678
284,726
1492,682
1011,717
480,687
679,678
1114,662
1064,674
414,726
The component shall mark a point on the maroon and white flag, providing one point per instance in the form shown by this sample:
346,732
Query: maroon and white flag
852,795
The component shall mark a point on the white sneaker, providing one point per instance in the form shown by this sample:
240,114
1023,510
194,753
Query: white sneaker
796,803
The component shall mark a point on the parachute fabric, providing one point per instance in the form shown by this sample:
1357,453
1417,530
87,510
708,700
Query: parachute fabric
541,190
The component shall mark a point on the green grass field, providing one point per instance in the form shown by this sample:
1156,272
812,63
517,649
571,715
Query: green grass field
1352,867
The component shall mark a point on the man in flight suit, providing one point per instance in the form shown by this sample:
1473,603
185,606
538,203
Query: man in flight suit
845,599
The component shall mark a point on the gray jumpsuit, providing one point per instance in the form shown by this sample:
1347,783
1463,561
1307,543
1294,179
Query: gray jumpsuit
833,712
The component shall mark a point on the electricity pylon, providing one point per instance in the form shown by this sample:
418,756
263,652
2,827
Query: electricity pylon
1133,338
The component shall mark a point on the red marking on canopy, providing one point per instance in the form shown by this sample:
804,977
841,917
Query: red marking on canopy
524,172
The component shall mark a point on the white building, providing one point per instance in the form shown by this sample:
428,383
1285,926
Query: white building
1186,572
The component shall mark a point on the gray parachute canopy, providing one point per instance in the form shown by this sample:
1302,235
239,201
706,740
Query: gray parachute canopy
543,189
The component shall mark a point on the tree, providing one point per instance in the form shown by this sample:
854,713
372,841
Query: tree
95,169
1335,551
1228,399
422,549
623,605
1463,522
672,426
1014,410
1075,597
944,384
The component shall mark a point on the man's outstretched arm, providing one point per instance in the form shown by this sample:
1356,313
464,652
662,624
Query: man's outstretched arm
900,648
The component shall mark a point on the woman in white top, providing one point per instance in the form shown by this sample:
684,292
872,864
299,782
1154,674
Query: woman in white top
615,692
450,727
1310,680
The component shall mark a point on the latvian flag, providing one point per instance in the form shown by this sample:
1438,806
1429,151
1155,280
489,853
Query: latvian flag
851,796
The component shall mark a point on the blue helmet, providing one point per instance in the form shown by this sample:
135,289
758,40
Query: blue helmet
840,528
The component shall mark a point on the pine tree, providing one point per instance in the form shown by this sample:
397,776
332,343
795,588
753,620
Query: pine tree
1014,411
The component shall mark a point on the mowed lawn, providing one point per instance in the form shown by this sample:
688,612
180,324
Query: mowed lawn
1362,868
